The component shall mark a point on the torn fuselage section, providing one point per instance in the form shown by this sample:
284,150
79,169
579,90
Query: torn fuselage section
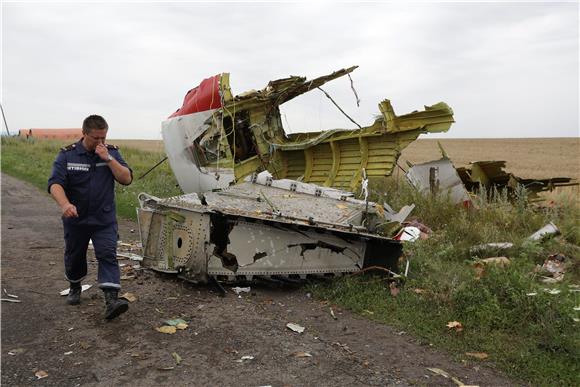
216,138
262,228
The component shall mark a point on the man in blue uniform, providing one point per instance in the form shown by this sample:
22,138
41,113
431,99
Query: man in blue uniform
83,184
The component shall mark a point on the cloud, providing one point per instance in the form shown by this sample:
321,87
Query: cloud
506,69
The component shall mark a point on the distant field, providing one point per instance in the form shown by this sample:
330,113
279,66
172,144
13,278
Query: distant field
146,145
527,157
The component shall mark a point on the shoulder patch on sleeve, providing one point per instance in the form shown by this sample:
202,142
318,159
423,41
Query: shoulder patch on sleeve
68,147
111,146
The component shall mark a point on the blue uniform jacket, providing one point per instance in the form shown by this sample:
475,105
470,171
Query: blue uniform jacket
88,183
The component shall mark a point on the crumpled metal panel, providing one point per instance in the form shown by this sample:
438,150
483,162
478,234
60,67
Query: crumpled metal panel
245,134
179,135
175,241
438,177
492,174
261,227
261,249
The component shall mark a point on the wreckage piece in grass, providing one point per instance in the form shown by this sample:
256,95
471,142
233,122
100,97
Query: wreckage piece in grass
440,177
263,227
491,174
216,138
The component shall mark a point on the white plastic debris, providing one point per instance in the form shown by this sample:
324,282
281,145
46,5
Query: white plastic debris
83,289
295,327
410,234
131,256
244,358
549,229
491,246
239,290
552,291
10,300
9,295
531,294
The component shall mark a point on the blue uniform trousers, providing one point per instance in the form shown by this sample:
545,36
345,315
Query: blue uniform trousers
105,243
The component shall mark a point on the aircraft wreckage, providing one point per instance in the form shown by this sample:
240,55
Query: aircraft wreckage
298,216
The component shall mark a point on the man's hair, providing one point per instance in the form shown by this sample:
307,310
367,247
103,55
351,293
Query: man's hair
94,122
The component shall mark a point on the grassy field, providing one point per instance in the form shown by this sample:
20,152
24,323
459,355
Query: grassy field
31,160
527,328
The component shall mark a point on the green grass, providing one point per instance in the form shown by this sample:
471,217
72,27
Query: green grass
532,338
31,160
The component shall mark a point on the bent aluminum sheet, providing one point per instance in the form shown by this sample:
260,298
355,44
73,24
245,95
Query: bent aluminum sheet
259,229
448,181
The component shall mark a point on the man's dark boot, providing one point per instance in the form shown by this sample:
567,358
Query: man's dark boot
74,294
114,305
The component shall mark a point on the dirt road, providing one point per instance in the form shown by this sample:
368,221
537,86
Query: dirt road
76,346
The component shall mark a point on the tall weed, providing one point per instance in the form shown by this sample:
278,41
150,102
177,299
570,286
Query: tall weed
506,312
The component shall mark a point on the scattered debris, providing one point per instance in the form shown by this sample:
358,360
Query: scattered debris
491,246
554,266
438,178
68,353
532,294
399,217
16,351
301,354
332,314
295,327
131,256
244,358
480,264
84,288
177,323
9,295
239,290
129,297
455,325
344,347
168,368
425,231
41,374
410,234
496,261
446,375
547,230
10,300
490,174
478,355
167,329
553,291
394,289
176,357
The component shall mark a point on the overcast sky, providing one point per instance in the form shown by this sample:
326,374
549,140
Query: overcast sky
506,69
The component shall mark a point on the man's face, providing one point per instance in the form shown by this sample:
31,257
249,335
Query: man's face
94,138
